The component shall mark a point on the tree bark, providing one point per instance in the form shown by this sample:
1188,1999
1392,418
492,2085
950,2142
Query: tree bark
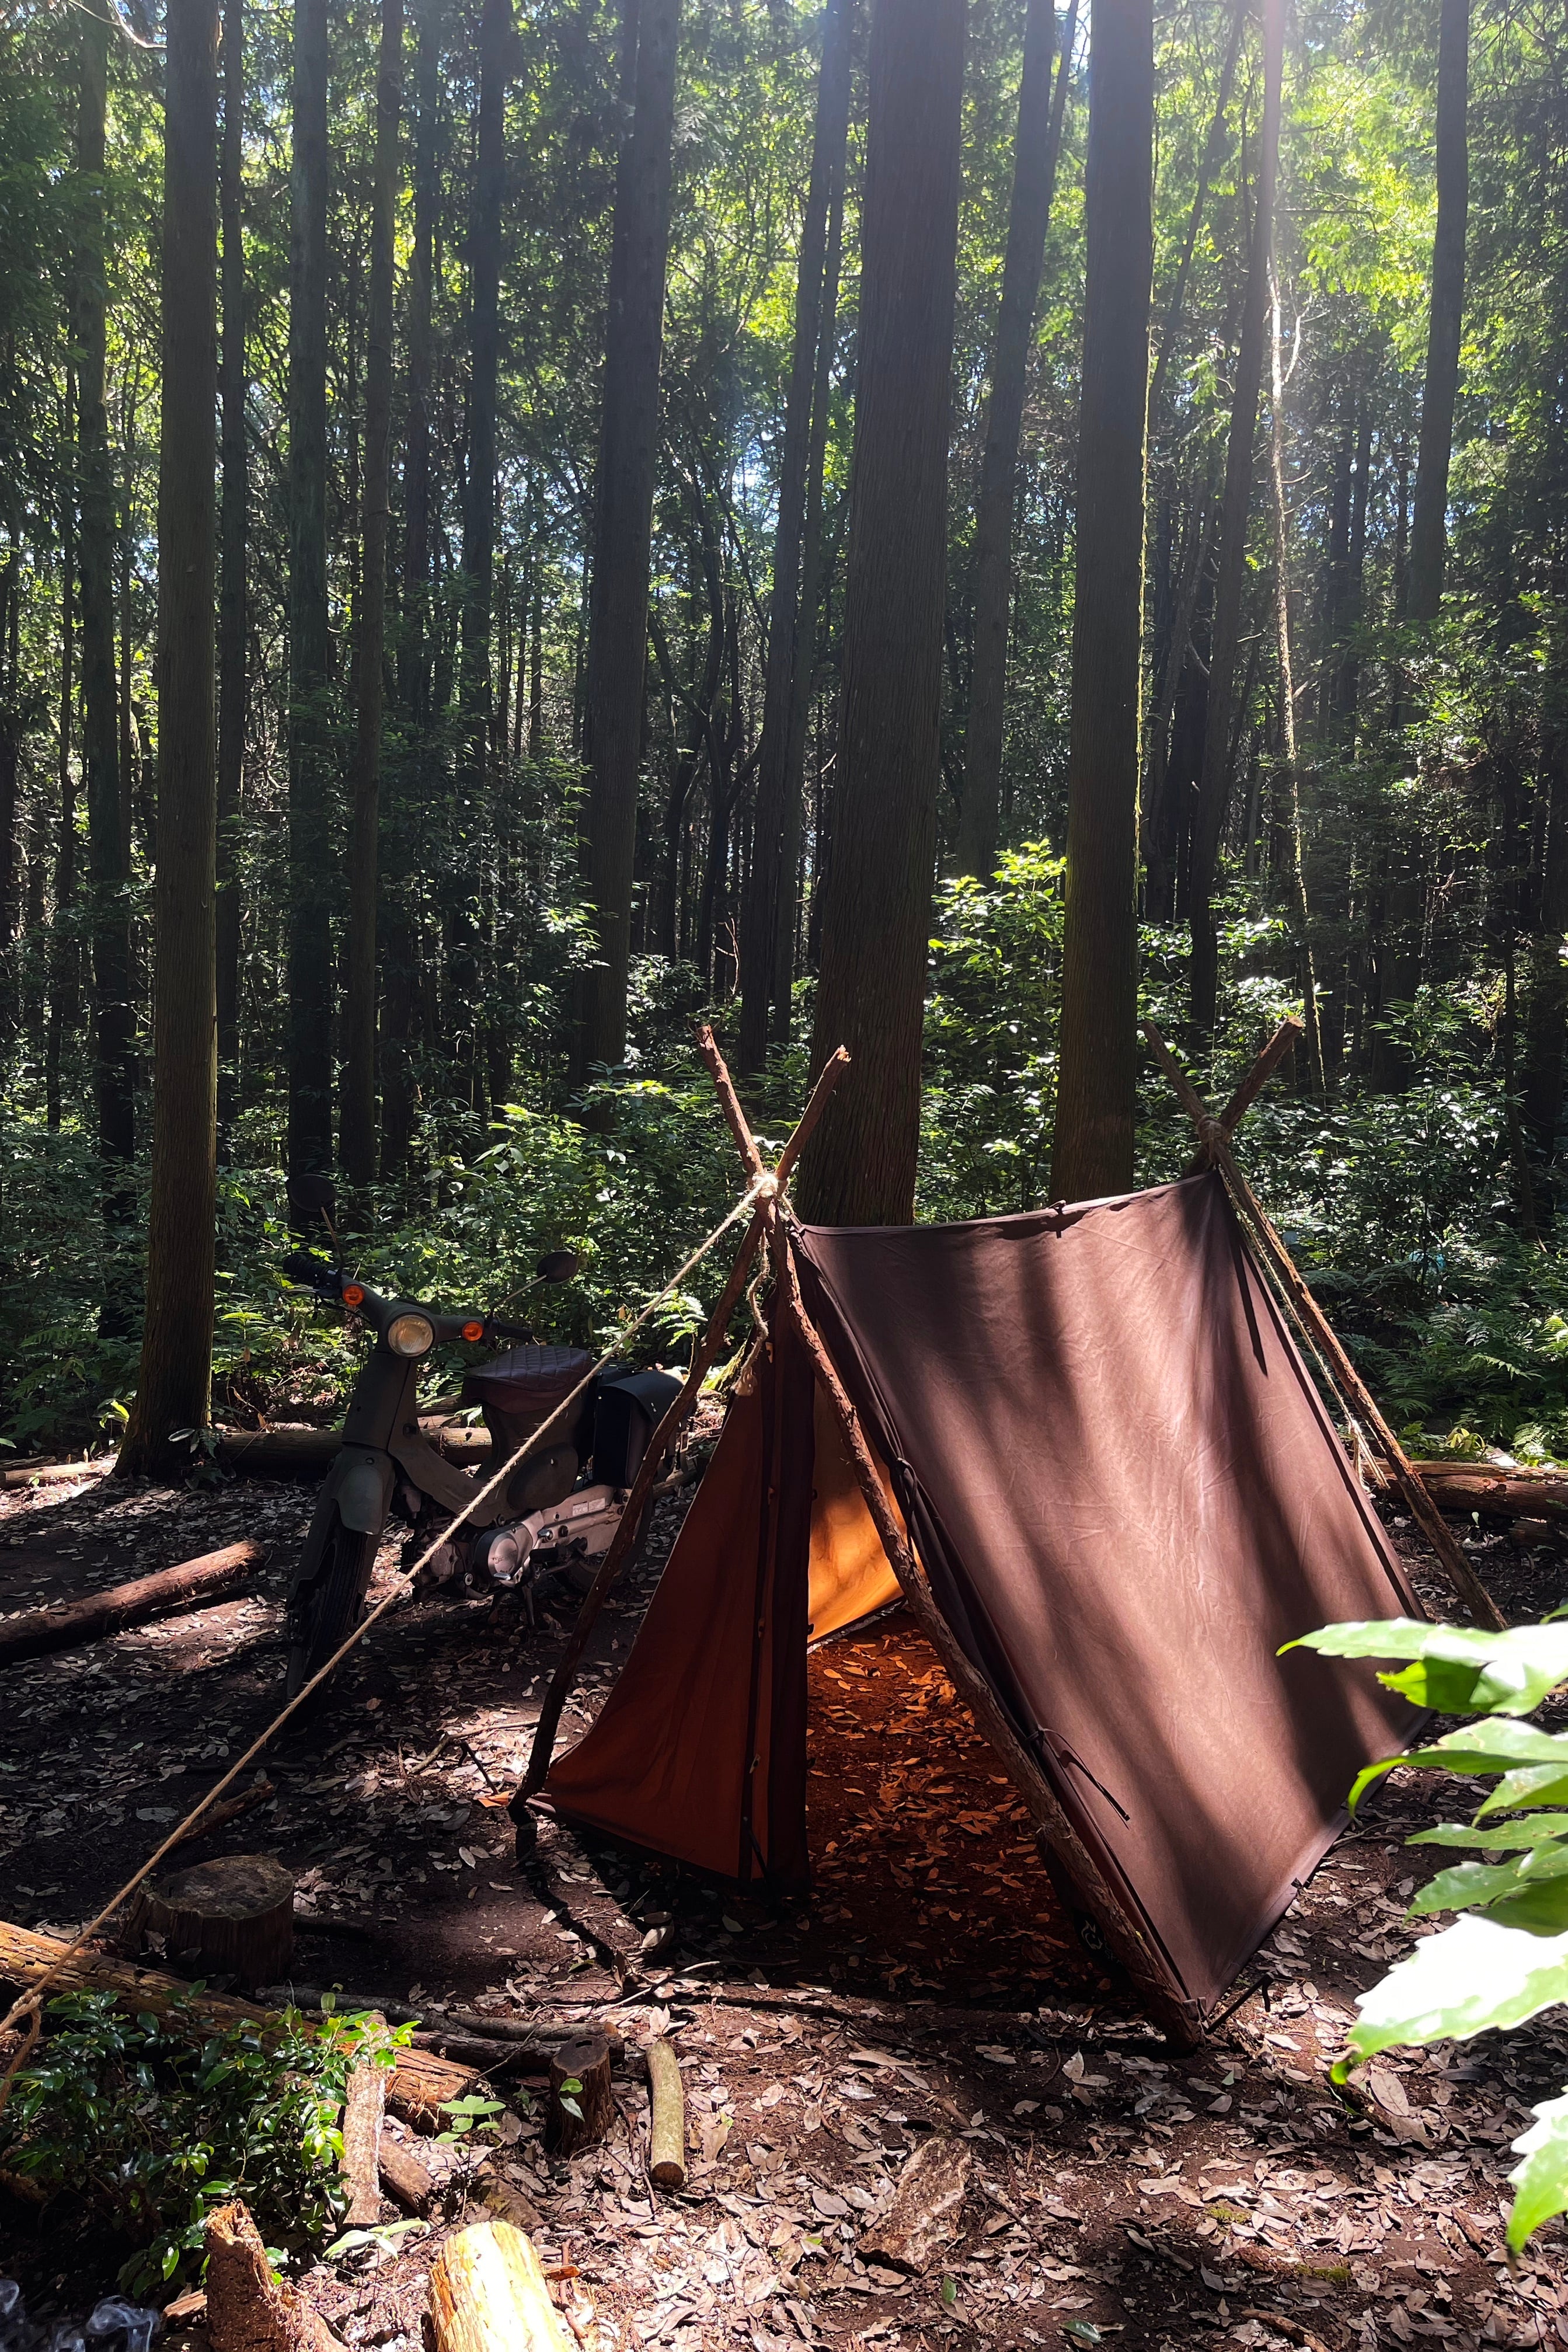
802,690
60,1008
1541,1086
629,444
1216,778
860,1168
787,650
1428,527
1176,300
1289,773
1098,1081
357,1113
233,619
497,36
311,881
174,1391
1036,153
114,1075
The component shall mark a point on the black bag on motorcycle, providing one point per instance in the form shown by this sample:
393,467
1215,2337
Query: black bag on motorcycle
518,1392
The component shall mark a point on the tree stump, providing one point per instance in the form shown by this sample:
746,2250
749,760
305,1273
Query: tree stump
234,1915
246,2311
587,2064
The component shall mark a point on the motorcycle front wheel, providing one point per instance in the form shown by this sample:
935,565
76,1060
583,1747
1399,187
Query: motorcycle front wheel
330,1610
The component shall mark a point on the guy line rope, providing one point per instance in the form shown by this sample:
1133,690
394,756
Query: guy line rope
30,2005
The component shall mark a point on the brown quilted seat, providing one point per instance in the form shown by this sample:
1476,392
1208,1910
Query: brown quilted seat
521,1389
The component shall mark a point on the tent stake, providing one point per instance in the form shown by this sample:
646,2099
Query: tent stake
1177,2019
1214,1138
621,1542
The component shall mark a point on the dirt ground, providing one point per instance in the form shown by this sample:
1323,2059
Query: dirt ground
930,1984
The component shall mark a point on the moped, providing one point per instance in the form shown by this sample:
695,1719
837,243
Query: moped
553,1515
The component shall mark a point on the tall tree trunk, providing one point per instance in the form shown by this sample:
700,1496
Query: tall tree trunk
1213,146
173,1391
1217,778
400,953
10,777
802,688
1289,776
311,882
60,1010
113,1065
1429,528
1036,151
498,35
233,619
628,443
357,1116
786,651
1097,1087
860,1166
1541,1079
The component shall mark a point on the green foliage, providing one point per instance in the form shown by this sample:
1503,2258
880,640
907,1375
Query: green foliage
154,2121
1505,1957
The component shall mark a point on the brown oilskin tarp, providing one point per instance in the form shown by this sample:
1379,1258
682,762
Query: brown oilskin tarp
1126,1494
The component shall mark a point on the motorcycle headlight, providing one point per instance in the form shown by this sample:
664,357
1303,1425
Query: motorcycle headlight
410,1335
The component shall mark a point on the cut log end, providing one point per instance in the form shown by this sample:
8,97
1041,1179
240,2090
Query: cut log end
488,2294
234,1915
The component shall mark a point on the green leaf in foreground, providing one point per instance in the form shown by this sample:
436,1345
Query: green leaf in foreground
1454,1669
1540,2183
1474,1976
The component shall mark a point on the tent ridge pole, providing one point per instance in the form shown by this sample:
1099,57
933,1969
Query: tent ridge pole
1177,2018
1213,1136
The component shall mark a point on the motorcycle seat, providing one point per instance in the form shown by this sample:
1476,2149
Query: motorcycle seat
527,1381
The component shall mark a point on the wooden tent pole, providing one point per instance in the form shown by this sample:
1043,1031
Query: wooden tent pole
712,1340
1177,2019
1281,1043
1215,1140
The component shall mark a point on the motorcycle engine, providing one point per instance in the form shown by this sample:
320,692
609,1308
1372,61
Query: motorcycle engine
570,1535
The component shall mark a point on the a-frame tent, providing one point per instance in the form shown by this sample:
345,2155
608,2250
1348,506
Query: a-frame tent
1083,1443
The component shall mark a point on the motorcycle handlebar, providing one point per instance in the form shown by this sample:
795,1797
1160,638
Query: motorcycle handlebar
308,1272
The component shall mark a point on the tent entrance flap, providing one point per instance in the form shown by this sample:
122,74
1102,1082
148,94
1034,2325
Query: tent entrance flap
850,1573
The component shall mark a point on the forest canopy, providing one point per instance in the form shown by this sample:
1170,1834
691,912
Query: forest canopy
940,528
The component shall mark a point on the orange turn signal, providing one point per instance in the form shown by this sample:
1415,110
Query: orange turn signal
352,1295
473,1330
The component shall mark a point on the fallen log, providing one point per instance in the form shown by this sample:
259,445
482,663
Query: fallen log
488,2294
306,1453
666,2127
419,2088
402,2176
923,2214
217,1817
363,2111
247,2309
194,1584
1496,1494
53,1474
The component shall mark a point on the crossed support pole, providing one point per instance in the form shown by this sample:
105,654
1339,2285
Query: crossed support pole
1213,1148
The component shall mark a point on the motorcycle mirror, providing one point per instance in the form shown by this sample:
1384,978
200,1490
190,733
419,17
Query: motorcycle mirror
310,1195
558,1265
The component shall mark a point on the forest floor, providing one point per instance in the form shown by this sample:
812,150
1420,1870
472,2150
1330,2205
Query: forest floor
929,1985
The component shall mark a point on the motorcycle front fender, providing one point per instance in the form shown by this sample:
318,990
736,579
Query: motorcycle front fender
359,1488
